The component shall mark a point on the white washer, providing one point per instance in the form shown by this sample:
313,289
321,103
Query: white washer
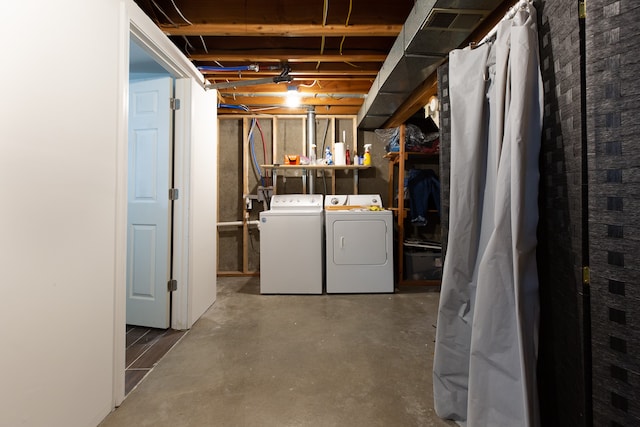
359,245
291,245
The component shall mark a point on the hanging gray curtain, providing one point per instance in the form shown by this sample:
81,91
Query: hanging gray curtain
487,331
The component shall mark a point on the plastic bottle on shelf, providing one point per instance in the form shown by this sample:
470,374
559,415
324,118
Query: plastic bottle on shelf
367,155
328,158
347,157
312,155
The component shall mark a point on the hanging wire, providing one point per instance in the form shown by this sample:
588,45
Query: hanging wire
346,24
204,45
180,13
164,14
187,45
324,22
311,85
253,151
264,148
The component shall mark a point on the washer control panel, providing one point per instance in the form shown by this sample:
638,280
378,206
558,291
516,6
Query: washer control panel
296,201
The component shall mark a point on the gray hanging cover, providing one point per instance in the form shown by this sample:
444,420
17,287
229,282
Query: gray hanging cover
487,331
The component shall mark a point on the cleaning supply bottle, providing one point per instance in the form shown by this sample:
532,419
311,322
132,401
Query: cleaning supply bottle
347,157
312,155
328,158
367,155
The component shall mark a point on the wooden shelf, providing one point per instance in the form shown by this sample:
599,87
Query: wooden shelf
306,168
399,159
316,167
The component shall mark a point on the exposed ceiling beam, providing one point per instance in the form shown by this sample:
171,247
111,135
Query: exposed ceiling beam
302,76
288,56
320,110
283,30
333,86
305,100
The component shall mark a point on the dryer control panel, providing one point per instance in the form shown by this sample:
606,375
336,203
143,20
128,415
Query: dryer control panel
362,200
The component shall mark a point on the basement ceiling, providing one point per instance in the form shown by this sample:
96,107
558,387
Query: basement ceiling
334,53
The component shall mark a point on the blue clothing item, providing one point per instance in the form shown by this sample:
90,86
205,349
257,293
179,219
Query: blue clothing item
424,187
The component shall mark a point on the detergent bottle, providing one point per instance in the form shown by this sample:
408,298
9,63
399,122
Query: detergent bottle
328,158
367,155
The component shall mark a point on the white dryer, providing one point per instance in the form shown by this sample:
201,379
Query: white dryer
359,244
291,245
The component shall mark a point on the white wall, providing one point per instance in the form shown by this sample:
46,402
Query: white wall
58,165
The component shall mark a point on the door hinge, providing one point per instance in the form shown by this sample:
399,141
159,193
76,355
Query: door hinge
586,276
172,285
174,103
582,9
174,194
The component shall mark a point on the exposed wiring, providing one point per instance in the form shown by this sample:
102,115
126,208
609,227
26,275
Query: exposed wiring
180,13
252,67
264,147
346,24
265,109
187,44
234,107
164,14
311,85
324,22
253,151
204,45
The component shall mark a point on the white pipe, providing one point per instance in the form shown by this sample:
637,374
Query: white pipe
237,223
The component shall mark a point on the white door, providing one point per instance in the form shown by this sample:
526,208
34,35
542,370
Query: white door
148,222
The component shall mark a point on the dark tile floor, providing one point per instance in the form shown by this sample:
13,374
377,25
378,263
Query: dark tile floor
145,347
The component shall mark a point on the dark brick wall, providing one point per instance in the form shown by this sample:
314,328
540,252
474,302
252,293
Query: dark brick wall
613,100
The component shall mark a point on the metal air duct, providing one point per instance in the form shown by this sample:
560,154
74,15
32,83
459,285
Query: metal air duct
432,30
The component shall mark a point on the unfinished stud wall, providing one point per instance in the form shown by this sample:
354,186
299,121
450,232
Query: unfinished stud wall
239,252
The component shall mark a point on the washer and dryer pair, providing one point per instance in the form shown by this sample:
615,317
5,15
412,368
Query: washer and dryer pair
350,241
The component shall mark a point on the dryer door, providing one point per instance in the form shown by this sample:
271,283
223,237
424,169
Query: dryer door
360,242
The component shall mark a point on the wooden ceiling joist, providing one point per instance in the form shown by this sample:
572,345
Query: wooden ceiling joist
287,56
321,86
335,110
305,100
283,30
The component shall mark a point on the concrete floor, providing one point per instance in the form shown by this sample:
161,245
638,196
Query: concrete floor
324,360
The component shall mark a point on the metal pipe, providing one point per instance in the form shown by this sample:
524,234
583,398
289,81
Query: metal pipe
311,141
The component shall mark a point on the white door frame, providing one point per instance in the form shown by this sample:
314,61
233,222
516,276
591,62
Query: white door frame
135,24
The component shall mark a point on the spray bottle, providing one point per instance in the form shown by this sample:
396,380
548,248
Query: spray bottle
367,155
